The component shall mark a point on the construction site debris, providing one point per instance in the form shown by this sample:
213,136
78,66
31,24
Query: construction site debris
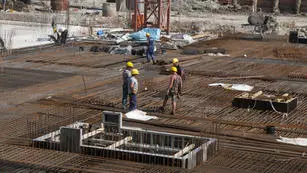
282,104
189,6
204,36
288,52
14,5
141,35
122,50
293,141
169,45
238,87
182,37
139,115
194,50
100,33
139,50
262,23
123,38
298,36
296,75
216,54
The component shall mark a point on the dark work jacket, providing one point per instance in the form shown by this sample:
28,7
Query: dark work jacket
151,44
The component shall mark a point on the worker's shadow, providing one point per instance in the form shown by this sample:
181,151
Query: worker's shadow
151,109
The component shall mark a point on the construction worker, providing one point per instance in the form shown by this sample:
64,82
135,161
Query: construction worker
60,35
150,49
174,89
133,89
64,33
180,71
2,45
3,4
126,78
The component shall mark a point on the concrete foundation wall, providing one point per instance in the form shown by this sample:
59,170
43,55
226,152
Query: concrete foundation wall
285,6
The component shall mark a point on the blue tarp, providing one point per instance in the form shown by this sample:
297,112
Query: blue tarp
100,33
141,35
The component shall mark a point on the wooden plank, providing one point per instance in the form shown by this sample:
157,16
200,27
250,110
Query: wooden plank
93,133
119,143
184,150
257,94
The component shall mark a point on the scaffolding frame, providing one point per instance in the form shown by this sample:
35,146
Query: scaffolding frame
156,14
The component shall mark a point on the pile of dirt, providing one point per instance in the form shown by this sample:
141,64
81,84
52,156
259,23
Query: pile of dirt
188,6
17,5
197,7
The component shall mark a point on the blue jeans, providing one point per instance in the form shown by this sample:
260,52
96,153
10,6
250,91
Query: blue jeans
132,101
125,95
150,54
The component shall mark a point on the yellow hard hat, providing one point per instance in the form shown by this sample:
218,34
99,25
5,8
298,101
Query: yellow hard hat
135,71
175,60
129,64
173,69
147,34
54,29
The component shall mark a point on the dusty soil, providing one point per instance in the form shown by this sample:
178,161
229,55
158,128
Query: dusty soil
250,48
213,21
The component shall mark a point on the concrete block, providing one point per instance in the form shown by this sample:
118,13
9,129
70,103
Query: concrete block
70,139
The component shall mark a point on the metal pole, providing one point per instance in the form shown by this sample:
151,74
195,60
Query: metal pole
276,6
135,15
298,6
159,14
255,5
146,4
168,17
3,4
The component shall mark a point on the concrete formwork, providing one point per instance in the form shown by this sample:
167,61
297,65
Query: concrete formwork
132,144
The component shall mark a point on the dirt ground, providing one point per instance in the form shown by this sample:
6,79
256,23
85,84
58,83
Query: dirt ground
50,87
213,21
250,48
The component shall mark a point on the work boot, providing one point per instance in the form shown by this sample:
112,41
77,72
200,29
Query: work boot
173,113
173,108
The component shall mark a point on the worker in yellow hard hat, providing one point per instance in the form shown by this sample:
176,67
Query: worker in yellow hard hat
150,49
126,78
180,71
173,90
133,89
59,35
